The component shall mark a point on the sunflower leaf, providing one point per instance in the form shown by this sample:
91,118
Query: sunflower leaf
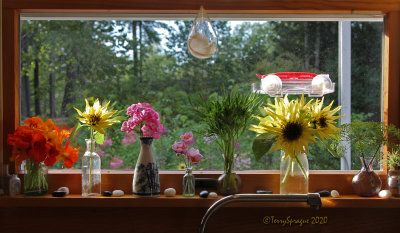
99,138
262,144
75,130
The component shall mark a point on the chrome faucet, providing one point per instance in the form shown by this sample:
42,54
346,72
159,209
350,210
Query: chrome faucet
313,199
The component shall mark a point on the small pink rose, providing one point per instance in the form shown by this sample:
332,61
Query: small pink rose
188,138
194,156
179,148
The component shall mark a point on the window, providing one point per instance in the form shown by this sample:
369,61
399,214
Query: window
64,61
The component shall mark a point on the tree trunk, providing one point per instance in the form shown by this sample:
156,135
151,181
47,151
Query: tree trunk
135,49
36,87
25,96
52,95
317,50
306,47
69,88
140,51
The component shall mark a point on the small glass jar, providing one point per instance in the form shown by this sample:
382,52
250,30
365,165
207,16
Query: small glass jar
394,182
188,183
91,171
15,185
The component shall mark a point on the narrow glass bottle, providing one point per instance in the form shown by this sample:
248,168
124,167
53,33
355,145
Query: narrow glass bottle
188,185
91,171
15,185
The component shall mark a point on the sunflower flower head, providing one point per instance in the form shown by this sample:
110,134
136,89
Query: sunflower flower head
323,120
97,116
291,125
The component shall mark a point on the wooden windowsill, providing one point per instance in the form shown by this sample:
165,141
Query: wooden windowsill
74,200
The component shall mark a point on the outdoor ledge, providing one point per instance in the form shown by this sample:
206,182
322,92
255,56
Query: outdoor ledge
74,200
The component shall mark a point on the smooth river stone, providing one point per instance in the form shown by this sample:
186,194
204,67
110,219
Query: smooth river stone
65,189
169,192
203,193
118,193
107,193
58,193
385,194
324,193
335,193
212,195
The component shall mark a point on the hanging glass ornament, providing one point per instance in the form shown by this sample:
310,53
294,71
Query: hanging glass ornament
202,41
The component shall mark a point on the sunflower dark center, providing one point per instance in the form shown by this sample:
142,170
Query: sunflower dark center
322,122
94,119
292,131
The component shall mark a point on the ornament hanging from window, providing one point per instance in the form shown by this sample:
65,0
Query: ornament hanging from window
203,40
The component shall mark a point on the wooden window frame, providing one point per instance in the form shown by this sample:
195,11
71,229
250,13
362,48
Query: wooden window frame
253,180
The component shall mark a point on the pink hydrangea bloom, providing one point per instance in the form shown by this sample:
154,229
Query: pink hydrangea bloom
107,142
179,148
188,138
143,120
116,162
129,139
194,156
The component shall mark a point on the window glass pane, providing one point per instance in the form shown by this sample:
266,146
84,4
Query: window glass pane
62,62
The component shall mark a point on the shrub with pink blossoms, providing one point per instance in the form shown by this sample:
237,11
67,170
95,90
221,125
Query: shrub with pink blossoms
129,139
143,120
116,162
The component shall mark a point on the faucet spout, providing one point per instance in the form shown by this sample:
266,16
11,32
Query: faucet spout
313,199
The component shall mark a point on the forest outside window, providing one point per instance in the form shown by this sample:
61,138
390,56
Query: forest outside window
130,61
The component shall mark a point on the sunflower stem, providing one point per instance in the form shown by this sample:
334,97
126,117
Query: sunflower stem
301,167
90,163
287,172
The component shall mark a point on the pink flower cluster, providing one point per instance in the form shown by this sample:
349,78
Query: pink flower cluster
116,162
144,121
182,148
129,139
107,142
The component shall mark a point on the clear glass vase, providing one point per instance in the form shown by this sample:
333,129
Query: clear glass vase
188,183
394,182
35,178
91,171
294,174
146,181
366,183
229,182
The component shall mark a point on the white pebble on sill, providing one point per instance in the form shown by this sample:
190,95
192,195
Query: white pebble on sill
385,194
65,189
169,192
335,193
213,195
117,193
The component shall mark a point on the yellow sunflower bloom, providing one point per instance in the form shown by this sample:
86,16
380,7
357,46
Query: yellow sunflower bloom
98,117
323,120
289,121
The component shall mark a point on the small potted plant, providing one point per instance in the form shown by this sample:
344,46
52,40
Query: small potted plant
393,160
226,118
368,139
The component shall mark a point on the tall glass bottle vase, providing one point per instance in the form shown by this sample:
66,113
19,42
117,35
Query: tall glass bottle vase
294,174
366,183
91,171
188,183
35,178
229,182
146,181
